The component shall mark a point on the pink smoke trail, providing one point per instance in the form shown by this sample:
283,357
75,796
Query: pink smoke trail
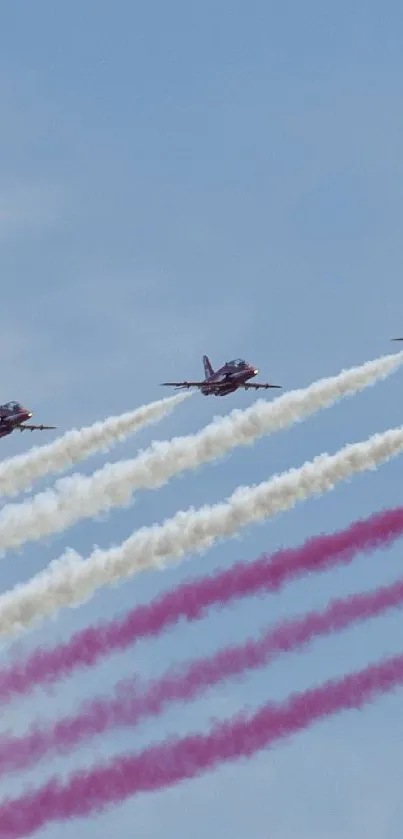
173,761
191,600
184,683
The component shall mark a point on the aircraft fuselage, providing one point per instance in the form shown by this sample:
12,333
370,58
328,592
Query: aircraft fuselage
227,381
12,418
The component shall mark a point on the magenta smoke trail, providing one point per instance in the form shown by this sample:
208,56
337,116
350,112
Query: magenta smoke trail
173,761
183,684
191,600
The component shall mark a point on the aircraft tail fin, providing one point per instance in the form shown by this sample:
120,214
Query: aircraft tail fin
208,370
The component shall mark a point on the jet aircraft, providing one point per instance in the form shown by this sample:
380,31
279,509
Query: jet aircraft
13,415
231,376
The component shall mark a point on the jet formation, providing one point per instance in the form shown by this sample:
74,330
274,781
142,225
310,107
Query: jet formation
233,375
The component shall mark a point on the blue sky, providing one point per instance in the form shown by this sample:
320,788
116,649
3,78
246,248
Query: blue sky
178,179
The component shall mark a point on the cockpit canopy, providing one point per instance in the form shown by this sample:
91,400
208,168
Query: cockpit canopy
13,406
237,362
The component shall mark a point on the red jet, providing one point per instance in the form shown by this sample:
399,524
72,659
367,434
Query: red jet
230,377
13,415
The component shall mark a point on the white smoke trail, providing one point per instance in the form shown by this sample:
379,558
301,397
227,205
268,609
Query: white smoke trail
79,496
70,580
19,473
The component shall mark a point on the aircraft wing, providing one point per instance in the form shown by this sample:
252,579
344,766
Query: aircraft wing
36,427
257,386
184,384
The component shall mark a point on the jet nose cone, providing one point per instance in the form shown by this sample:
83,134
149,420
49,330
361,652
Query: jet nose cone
256,370
29,414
